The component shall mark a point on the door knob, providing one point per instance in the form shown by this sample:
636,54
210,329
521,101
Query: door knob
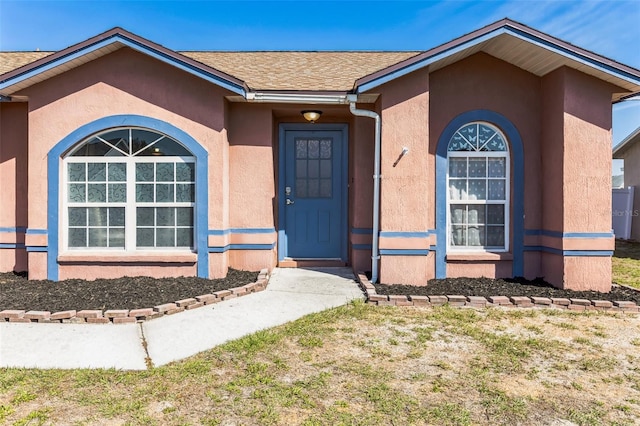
289,201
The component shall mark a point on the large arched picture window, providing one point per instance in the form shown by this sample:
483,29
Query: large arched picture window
478,189
128,189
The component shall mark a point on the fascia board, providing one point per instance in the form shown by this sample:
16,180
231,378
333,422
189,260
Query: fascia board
118,38
517,33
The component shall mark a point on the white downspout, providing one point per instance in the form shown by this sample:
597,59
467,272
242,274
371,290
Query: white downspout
375,252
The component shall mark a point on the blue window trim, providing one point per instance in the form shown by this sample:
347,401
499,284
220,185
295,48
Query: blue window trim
54,161
242,231
558,234
517,179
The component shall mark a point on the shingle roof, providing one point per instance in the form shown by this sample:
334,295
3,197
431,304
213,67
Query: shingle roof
322,71
9,61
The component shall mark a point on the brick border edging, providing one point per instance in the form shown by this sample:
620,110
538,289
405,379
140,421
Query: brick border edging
496,301
126,316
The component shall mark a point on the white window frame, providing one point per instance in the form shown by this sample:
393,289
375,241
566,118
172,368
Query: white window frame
130,205
506,202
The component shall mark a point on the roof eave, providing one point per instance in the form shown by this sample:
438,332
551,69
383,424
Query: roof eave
626,143
99,45
506,26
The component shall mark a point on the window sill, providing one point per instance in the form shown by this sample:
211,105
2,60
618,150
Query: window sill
102,257
482,257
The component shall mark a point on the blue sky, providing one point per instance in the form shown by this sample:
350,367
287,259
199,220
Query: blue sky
610,28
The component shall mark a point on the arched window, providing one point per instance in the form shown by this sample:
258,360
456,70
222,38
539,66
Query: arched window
478,189
128,189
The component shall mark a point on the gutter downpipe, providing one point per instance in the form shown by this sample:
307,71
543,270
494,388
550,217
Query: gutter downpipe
375,252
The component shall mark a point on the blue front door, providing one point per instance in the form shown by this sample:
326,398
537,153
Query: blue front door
313,193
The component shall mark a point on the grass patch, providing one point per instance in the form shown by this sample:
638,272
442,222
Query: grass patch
626,263
360,365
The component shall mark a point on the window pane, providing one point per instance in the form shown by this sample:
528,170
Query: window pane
77,216
165,237
118,138
184,237
301,168
301,188
77,237
496,189
117,172
475,236
185,192
475,215
313,188
314,168
97,172
325,188
164,172
497,167
97,193
145,216
97,237
185,172
165,147
97,216
458,189
458,235
495,214
144,193
116,216
325,168
477,189
184,216
144,172
144,237
477,167
325,148
301,148
458,167
95,148
164,193
142,138
116,237
165,216
117,193
76,172
497,144
495,236
458,213
77,193
314,149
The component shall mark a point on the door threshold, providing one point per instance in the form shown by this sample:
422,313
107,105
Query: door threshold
311,263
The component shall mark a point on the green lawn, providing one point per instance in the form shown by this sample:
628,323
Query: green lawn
626,263
366,365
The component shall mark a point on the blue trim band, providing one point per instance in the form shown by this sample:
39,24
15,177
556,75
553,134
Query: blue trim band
241,247
202,180
558,234
577,253
12,246
37,249
404,252
13,230
516,152
402,234
34,231
242,231
362,231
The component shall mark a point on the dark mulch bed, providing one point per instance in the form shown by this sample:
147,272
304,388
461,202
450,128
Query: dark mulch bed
503,287
16,292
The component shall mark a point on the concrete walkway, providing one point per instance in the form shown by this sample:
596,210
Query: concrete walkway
291,294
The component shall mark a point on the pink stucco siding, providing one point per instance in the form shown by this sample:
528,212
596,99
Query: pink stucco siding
558,128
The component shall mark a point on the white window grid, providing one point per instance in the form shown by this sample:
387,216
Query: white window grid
130,205
474,202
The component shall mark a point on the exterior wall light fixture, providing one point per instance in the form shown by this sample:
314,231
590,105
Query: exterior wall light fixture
311,115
